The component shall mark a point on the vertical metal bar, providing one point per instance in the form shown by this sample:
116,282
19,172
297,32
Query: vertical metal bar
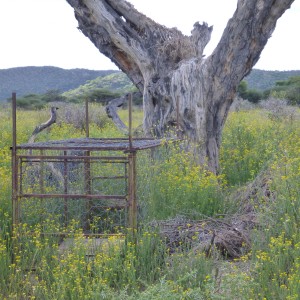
42,173
132,213
87,173
15,206
87,123
65,188
132,216
87,168
87,189
126,192
130,120
21,176
126,178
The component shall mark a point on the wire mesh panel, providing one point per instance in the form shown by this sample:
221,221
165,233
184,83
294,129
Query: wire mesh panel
86,183
90,187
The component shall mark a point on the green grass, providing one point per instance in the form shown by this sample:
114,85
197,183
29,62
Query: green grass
169,184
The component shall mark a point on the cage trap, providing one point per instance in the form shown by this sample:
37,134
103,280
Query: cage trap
87,183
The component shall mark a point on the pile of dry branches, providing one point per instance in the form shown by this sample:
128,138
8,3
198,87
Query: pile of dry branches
229,236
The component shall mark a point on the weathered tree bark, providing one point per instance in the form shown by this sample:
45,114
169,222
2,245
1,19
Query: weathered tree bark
112,110
45,125
169,68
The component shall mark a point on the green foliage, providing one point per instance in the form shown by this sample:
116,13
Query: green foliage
251,95
53,96
250,139
37,80
288,89
30,101
276,250
94,95
104,89
242,88
116,82
262,80
34,101
177,185
170,183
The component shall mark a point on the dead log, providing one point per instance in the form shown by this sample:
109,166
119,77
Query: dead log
111,111
45,125
230,236
34,170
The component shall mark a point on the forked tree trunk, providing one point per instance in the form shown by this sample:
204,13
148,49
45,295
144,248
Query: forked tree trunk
169,68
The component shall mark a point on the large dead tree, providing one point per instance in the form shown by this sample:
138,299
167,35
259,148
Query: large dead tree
169,68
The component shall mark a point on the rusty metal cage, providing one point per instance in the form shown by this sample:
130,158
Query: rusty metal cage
90,180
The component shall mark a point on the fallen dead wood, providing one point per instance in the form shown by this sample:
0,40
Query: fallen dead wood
112,110
230,236
54,171
45,125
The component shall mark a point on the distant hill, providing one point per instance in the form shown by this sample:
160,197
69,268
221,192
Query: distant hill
258,80
116,82
38,80
263,80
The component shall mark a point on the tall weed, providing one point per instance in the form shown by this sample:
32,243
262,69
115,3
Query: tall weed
169,184
173,184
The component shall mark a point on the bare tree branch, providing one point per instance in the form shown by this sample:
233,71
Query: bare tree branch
45,125
111,110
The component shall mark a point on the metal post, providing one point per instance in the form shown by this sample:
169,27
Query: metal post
15,205
130,121
21,176
87,125
132,217
42,190
87,169
87,190
65,188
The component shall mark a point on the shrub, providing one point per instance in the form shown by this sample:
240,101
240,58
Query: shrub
176,184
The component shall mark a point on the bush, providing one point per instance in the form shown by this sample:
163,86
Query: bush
176,185
75,114
251,95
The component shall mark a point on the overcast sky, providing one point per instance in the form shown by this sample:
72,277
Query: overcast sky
44,32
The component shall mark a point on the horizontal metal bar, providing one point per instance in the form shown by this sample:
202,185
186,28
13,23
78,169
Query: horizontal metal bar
86,148
77,161
108,207
89,147
110,177
77,196
77,157
66,234
114,162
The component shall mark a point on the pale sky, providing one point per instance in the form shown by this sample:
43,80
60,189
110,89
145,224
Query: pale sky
44,32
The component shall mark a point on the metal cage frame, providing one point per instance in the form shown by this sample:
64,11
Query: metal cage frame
26,153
